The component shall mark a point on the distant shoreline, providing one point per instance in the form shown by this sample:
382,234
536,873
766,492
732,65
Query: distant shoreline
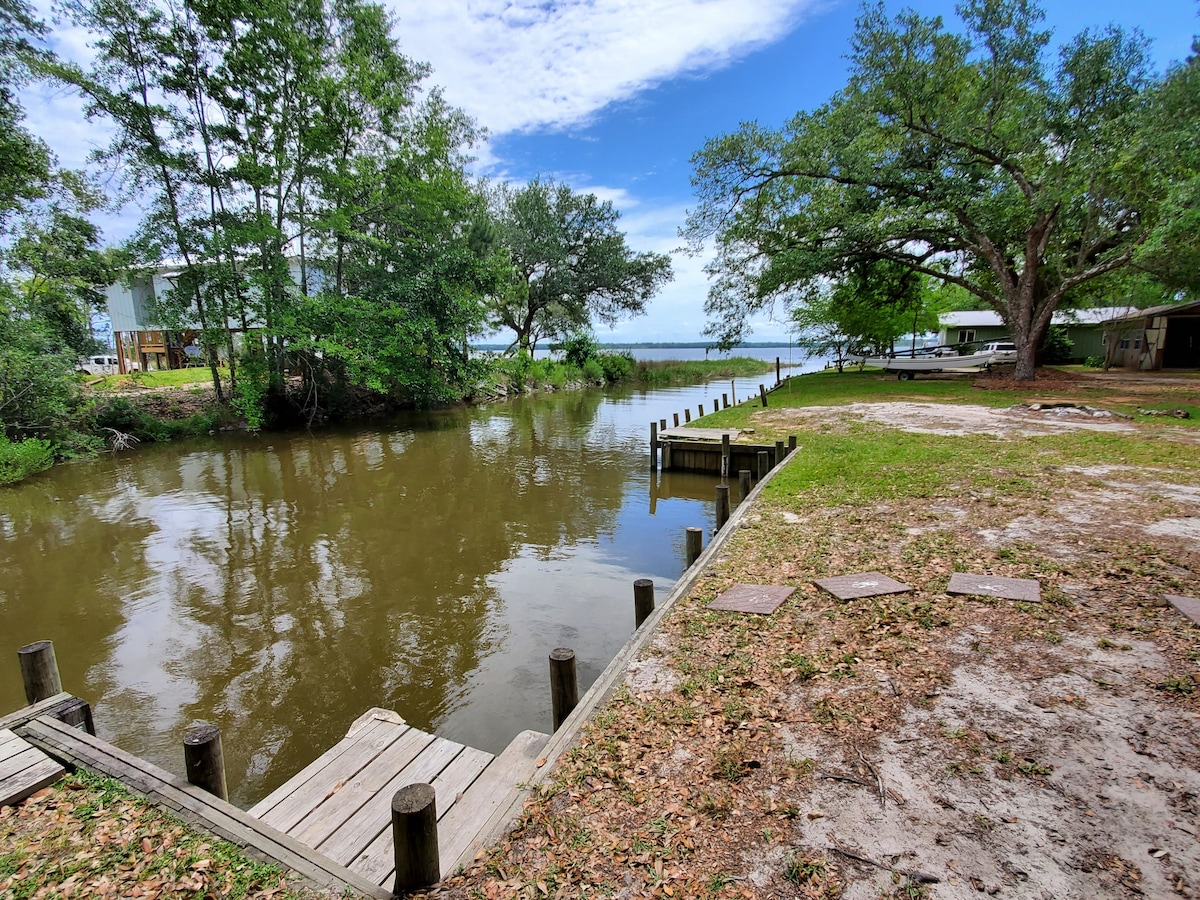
659,345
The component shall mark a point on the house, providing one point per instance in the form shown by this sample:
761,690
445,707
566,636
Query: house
1162,337
1085,328
141,341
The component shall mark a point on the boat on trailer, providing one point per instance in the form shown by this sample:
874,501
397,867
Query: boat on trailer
906,367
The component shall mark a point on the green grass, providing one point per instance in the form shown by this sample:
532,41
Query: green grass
676,371
167,378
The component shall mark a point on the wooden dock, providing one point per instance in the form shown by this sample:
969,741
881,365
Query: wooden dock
24,769
331,822
699,450
340,805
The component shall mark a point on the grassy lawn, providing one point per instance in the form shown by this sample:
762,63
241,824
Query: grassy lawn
168,378
87,836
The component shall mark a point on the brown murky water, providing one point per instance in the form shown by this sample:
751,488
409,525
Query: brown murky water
279,586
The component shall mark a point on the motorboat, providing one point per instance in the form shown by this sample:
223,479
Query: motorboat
906,367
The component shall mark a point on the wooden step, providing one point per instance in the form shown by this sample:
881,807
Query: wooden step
24,769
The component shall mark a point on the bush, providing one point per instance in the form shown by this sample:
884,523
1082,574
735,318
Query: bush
593,372
1056,348
617,366
1094,362
20,459
578,349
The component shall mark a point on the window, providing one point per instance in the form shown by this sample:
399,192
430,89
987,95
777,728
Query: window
966,335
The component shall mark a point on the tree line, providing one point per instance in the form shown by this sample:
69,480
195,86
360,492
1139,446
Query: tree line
1025,177
310,192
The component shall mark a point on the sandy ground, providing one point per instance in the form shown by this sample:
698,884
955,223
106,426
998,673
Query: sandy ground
936,745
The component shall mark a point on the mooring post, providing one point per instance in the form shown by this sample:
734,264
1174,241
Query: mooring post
764,464
762,392
662,424
687,416
778,380
564,684
780,453
76,713
700,410
722,505
791,444
744,482
694,544
39,671
724,401
643,601
654,445
676,415
666,455
724,456
415,838
733,391
205,760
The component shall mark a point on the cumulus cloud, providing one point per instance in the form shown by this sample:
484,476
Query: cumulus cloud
523,65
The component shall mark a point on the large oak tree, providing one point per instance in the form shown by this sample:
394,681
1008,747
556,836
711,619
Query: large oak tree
967,156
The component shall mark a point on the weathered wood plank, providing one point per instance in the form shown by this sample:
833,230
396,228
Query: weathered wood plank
331,811
193,805
30,779
29,713
372,822
291,809
273,799
458,776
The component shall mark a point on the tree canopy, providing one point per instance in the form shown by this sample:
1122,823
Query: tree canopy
965,156
570,263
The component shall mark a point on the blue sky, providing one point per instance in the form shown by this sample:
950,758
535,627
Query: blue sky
614,96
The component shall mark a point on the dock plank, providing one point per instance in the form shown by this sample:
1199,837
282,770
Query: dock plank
194,805
24,769
324,781
273,799
373,821
329,814
459,828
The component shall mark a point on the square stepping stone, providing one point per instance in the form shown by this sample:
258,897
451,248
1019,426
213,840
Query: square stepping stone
864,584
753,598
1189,606
996,586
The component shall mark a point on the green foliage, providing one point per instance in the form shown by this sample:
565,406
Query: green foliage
1094,362
569,264
253,387
617,366
954,153
127,417
20,459
593,372
1056,348
578,348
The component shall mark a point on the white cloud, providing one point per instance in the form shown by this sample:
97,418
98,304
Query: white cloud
521,65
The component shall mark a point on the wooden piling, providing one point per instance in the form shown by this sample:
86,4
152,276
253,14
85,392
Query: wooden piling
744,482
654,445
764,464
780,453
415,838
778,380
676,415
205,760
762,392
666,455
77,713
724,456
662,424
724,401
722,505
687,416
700,410
564,684
791,444
39,671
694,545
643,600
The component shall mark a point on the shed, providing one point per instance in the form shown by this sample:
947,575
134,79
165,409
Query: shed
1162,337
1085,327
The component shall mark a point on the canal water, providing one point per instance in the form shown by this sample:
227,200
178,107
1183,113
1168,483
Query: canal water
278,586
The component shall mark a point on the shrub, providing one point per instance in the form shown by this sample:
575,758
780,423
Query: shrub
20,459
616,366
1056,348
593,372
578,349
1094,362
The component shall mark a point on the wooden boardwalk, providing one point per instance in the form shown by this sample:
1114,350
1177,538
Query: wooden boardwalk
340,805
24,769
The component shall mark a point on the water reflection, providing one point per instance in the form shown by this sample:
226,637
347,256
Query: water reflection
280,586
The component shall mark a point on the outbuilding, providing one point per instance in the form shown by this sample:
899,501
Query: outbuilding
970,329
1162,337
